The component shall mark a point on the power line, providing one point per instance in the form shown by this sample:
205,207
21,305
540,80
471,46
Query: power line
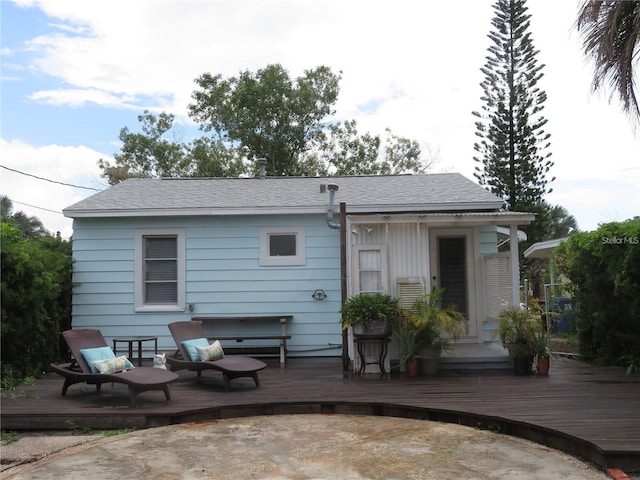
47,180
35,206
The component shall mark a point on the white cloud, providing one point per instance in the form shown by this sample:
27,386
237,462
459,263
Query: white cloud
415,64
70,165
75,97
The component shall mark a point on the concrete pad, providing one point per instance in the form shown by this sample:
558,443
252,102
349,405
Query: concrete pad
345,447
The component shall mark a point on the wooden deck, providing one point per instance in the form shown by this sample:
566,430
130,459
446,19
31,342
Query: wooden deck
590,412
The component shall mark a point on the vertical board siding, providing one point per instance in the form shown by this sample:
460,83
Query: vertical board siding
223,278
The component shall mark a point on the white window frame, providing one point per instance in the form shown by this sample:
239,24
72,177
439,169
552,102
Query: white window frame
267,260
140,305
384,269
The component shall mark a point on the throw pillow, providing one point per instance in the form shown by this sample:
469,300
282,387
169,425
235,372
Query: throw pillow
112,365
211,352
92,354
190,346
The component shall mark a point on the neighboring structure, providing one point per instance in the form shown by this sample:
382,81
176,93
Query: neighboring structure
149,252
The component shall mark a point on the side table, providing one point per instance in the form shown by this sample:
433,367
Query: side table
138,340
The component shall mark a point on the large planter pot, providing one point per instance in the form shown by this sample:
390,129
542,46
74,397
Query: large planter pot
429,361
375,329
522,358
522,365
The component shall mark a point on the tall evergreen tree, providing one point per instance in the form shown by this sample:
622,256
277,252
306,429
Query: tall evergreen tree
512,162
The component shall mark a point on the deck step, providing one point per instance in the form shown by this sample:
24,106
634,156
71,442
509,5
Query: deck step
476,363
487,356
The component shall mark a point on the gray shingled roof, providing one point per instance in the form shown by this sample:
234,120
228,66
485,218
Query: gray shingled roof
224,196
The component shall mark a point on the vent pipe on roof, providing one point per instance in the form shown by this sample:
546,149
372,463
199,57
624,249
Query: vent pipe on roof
333,188
262,165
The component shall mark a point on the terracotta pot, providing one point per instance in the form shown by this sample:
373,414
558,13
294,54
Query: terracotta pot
542,365
411,367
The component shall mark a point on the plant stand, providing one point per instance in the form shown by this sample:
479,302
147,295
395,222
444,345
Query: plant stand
382,341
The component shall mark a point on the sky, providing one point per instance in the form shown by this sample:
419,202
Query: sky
73,73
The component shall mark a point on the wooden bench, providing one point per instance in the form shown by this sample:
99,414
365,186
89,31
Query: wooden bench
279,349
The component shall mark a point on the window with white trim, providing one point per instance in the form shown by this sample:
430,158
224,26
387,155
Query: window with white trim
282,246
159,270
371,269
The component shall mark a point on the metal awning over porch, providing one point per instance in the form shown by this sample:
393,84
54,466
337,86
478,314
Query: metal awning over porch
467,219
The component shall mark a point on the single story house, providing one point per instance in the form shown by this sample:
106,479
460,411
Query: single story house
149,252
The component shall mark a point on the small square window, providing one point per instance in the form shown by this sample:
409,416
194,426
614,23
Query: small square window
282,246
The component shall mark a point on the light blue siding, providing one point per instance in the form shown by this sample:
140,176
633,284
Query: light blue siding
223,278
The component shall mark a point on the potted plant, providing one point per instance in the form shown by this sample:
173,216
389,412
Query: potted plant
435,328
541,351
405,331
517,329
426,330
370,314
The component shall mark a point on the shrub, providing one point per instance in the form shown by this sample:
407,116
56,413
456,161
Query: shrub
36,300
604,268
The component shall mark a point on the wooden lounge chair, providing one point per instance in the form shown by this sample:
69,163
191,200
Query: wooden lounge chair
139,379
232,366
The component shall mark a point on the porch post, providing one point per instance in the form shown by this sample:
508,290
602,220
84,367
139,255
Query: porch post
343,281
515,264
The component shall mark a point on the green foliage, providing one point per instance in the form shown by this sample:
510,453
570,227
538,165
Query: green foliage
13,385
519,331
36,300
540,344
347,152
511,162
77,430
268,113
435,324
30,227
611,38
8,436
604,268
265,114
148,154
429,325
365,308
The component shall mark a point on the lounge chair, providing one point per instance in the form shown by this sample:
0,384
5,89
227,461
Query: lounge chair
232,366
139,379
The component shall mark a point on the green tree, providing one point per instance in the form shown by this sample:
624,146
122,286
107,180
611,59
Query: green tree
347,152
30,227
149,153
562,223
611,37
511,159
210,157
36,300
267,113
262,115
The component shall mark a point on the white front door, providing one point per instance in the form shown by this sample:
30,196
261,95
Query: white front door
452,269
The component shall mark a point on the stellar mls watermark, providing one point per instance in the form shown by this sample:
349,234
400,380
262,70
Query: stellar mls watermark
620,240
